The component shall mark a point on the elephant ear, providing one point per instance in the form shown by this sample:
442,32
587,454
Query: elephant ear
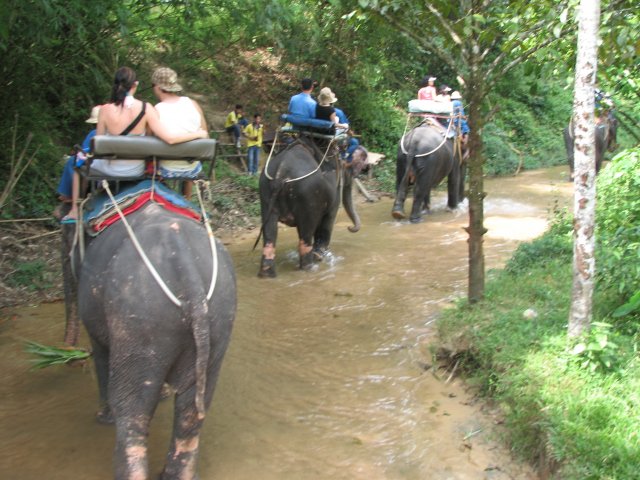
358,160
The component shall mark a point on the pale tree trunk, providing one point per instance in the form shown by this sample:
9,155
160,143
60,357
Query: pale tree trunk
584,199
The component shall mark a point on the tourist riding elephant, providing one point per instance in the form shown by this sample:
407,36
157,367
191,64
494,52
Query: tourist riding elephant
427,155
163,319
301,187
606,138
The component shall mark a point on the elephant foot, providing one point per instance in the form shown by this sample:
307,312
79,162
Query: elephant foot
319,254
307,261
267,268
415,219
398,213
104,416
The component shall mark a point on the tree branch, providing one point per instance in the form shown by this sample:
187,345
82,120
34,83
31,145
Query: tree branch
425,45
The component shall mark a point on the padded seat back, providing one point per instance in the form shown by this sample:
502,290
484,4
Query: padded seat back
114,147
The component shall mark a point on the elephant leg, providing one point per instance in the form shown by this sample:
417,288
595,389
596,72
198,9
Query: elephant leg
453,185
306,229
268,260
322,236
307,256
183,452
426,205
402,185
100,356
461,177
421,194
134,391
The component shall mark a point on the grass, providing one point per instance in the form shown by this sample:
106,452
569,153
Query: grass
572,407
48,356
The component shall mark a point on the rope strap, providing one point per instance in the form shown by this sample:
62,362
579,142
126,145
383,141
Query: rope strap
212,241
138,247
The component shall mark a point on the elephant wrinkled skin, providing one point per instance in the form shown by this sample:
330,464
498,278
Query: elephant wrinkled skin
302,187
141,339
427,155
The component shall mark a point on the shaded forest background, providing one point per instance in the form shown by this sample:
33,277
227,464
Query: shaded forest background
59,58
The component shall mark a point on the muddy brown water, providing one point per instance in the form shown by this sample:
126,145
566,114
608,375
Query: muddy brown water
324,377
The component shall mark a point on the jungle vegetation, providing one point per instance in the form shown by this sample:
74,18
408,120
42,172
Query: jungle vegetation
58,58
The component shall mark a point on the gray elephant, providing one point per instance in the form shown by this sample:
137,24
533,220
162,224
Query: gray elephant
425,155
145,332
301,187
606,139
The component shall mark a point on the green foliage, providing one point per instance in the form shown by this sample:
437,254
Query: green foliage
597,352
632,306
48,356
32,275
501,158
579,408
530,253
618,222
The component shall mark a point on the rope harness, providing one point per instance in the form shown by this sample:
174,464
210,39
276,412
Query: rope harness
78,240
445,137
297,142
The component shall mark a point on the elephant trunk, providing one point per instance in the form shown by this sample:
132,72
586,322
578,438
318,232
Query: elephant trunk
347,201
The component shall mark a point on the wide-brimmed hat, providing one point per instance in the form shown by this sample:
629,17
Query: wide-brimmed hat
456,95
326,97
94,115
166,79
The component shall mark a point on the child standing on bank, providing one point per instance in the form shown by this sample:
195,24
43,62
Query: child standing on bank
253,132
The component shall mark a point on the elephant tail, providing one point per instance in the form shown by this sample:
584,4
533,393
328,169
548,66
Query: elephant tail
201,331
277,184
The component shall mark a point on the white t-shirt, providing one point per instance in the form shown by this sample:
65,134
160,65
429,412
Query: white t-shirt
179,117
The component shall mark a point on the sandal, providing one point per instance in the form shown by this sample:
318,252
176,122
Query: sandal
68,220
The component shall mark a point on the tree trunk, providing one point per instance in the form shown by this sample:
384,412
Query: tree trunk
584,200
476,196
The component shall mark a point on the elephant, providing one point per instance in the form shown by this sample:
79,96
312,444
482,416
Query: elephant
425,153
606,139
141,338
301,187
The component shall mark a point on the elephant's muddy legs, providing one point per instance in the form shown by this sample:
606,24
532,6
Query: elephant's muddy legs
268,262
306,255
397,211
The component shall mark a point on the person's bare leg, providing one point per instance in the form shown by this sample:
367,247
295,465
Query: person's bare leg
75,195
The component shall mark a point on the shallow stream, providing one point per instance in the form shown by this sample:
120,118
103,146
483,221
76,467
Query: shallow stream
325,376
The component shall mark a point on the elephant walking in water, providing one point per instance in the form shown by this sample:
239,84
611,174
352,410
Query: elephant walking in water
141,338
426,154
606,139
302,187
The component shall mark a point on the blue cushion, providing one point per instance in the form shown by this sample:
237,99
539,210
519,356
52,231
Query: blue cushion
301,121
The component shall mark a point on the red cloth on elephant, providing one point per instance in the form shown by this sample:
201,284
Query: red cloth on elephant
102,223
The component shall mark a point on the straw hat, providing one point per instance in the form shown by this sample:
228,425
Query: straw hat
326,97
456,95
166,79
94,115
